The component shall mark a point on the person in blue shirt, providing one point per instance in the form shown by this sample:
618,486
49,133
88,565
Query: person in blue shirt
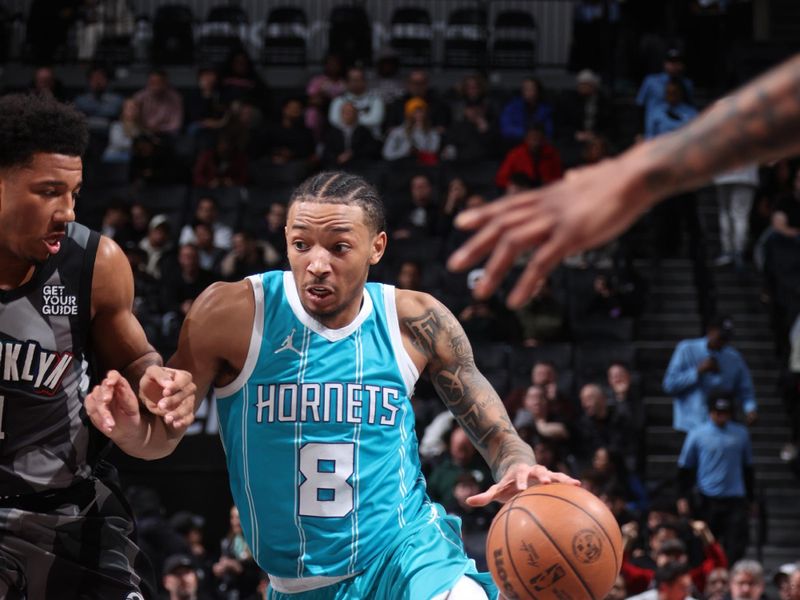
718,456
671,113
653,87
527,109
702,364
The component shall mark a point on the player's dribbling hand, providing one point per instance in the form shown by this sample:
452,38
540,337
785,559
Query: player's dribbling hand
112,407
519,477
169,394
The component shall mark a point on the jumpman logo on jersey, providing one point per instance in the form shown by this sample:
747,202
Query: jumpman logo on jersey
288,344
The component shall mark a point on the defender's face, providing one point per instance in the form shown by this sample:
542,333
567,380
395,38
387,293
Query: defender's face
36,203
331,248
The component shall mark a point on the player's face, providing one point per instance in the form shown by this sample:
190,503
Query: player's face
331,248
36,203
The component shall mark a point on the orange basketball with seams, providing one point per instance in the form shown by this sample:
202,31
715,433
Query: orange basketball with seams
554,541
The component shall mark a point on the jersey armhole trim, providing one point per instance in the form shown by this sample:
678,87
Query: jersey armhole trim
408,369
254,349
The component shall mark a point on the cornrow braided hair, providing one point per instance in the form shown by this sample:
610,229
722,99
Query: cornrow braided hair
339,187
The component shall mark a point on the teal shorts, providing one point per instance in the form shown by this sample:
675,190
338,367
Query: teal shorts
427,560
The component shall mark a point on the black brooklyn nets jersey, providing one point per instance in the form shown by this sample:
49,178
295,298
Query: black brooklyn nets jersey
44,328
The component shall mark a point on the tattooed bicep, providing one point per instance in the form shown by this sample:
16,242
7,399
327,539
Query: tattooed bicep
438,335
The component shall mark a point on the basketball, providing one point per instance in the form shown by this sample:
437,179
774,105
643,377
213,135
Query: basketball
554,541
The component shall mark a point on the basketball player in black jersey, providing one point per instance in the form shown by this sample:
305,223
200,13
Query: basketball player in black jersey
65,302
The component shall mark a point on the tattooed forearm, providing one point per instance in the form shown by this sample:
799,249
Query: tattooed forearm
471,399
759,123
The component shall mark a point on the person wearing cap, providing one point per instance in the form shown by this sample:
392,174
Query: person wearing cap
782,580
700,365
718,457
157,244
654,86
794,585
415,138
180,578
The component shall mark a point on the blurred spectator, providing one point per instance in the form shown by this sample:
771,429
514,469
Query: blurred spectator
719,458
546,452
122,134
287,140
274,225
717,584
116,224
209,254
461,458
224,165
239,81
190,526
535,157
387,82
321,90
243,124
473,91
418,86
455,237
207,212
416,138
409,276
653,88
368,103
100,105
672,583
535,412
157,245
601,425
624,396
487,320
618,590
348,142
160,105
735,192
153,160
475,520
45,83
247,257
794,585
204,111
671,113
180,578
747,580
236,571
544,373
581,113
473,136
101,18
543,319
604,301
419,218
702,364
181,283
140,220
146,292
528,109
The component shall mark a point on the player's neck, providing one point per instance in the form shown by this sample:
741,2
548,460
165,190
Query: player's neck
14,272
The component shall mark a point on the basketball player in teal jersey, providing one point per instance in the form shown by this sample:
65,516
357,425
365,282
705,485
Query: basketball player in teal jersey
313,371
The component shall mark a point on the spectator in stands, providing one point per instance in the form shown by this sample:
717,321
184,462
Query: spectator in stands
180,578
527,109
418,86
535,157
670,114
348,144
618,590
146,294
387,82
160,105
718,456
487,320
222,166
420,217
601,425
747,580
672,583
116,223
415,138
122,134
544,373
461,458
735,193
369,104
794,585
409,276
181,283
140,220
701,365
209,255
623,395
45,83
604,301
543,319
717,584
288,140
321,90
239,81
274,227
99,19
653,88
581,113
157,245
153,161
473,91
207,211
547,453
473,136
535,412
236,571
100,105
247,257
204,111
190,526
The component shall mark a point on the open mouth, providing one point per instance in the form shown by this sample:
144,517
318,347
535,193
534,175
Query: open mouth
318,292
53,243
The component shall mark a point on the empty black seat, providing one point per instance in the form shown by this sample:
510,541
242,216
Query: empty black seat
286,36
411,35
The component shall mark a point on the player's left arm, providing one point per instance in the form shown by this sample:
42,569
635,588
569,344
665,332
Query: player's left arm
439,340
151,425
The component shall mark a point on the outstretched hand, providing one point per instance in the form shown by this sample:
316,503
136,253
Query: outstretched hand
113,407
519,477
589,206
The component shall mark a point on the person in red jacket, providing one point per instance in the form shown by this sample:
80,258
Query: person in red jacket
536,157
664,547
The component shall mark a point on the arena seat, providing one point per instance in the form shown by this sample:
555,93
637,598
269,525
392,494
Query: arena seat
592,358
286,36
466,38
224,31
173,35
513,44
411,35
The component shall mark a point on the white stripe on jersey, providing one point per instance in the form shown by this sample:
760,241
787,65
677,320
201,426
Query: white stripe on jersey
359,376
298,440
246,465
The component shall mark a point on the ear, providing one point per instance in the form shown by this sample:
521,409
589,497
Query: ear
378,248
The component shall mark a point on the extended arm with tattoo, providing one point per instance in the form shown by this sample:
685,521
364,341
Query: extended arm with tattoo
465,391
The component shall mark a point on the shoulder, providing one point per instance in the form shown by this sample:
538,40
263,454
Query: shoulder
411,304
110,261
222,302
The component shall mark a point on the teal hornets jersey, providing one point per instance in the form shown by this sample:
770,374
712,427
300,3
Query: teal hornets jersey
319,436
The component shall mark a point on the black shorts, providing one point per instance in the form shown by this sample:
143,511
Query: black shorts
70,544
